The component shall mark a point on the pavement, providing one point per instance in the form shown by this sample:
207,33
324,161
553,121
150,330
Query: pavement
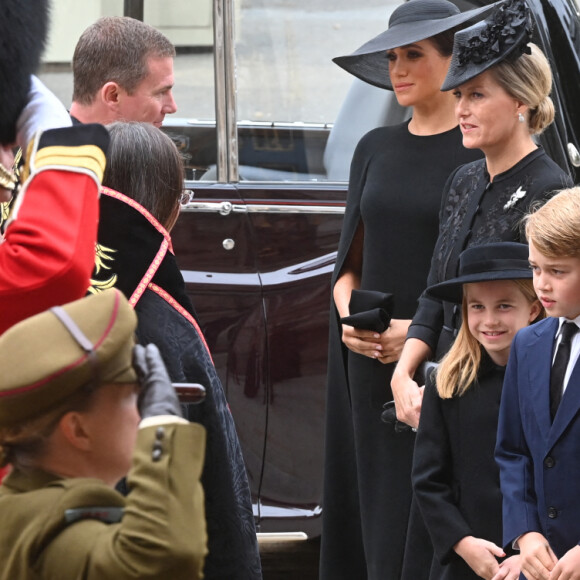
290,560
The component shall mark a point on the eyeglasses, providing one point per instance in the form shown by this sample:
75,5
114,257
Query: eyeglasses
187,196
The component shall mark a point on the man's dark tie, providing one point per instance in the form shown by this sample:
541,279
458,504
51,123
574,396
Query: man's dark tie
560,365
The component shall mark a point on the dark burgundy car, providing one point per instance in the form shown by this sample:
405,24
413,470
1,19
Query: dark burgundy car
258,240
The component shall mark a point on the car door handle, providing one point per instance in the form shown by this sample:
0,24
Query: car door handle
221,207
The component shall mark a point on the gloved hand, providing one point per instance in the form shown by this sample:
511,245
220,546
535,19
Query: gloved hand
157,396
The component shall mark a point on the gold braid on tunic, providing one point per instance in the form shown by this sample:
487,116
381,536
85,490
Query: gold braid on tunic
10,180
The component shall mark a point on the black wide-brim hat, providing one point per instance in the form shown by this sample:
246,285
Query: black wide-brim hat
411,22
490,262
503,35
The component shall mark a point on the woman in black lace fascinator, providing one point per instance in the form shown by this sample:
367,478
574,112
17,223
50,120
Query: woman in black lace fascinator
501,82
396,180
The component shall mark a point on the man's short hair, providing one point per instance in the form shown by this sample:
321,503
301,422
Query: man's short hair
554,228
115,48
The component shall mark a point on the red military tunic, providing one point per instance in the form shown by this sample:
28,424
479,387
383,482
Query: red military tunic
48,251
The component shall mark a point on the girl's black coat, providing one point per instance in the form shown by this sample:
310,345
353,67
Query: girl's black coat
455,478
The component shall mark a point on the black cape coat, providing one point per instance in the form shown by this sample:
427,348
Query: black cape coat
367,481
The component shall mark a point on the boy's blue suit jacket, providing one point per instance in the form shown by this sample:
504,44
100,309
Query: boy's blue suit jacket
539,460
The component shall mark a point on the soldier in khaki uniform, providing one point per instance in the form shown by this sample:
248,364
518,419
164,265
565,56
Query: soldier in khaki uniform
80,406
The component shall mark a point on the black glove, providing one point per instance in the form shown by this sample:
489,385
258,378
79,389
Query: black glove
157,396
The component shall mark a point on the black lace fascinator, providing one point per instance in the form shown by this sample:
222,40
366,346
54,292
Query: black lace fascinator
503,35
410,22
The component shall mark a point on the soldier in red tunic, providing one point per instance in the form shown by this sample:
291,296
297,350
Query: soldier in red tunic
47,249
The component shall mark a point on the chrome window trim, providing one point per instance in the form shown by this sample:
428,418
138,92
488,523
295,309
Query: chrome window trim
225,91
226,207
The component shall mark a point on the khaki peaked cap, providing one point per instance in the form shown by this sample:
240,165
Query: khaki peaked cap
43,363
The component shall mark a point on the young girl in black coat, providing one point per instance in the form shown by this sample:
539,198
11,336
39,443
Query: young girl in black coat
455,478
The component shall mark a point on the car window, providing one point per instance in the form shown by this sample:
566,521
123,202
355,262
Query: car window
293,115
298,115
290,93
189,26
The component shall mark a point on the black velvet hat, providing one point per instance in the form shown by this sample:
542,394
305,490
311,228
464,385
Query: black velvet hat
23,31
411,22
497,261
503,35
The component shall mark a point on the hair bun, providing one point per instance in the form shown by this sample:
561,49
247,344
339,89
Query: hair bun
542,115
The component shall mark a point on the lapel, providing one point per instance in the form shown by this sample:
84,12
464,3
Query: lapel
568,408
538,359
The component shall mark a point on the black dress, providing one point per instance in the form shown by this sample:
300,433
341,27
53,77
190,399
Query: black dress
476,211
395,188
455,477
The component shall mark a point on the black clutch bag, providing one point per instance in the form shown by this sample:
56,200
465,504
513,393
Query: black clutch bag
370,310
389,414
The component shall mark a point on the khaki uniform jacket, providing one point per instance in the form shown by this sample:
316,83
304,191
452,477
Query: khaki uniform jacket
162,533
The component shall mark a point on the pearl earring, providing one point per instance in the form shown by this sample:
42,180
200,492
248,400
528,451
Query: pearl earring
521,118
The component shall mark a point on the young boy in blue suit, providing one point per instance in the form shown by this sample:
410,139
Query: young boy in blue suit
538,442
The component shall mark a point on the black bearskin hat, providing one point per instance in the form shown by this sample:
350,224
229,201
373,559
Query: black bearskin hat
23,31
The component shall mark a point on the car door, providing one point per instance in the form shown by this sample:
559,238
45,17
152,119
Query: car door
294,140
296,236
257,241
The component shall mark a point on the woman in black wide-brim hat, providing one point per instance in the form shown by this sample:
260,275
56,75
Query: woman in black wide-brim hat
48,239
397,176
501,84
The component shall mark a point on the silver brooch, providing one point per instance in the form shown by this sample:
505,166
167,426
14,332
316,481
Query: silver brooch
516,196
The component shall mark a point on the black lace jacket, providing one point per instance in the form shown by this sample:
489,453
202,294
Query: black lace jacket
476,211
